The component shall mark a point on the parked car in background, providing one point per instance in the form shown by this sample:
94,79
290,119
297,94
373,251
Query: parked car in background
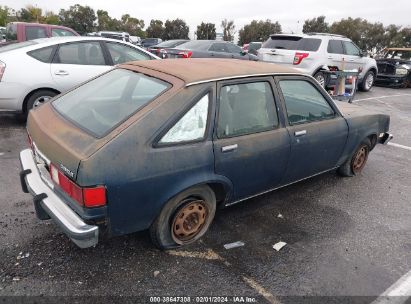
252,47
32,72
207,132
135,40
2,34
148,42
315,53
394,69
23,31
162,47
208,49
123,36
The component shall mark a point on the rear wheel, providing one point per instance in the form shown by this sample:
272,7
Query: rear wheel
354,165
368,81
321,78
185,218
38,98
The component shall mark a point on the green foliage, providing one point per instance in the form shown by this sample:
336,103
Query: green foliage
175,29
228,29
316,25
30,14
155,29
206,31
4,13
78,17
258,31
132,25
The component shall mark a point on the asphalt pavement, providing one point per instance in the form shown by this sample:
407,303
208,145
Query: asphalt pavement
348,239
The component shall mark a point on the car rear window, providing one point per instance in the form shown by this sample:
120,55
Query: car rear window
101,104
292,43
43,54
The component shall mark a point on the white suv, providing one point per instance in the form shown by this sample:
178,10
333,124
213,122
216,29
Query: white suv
315,53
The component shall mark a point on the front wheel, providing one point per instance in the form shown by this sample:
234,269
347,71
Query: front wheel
368,81
321,78
184,219
354,164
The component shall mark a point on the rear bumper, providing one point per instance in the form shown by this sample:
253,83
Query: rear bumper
49,205
385,138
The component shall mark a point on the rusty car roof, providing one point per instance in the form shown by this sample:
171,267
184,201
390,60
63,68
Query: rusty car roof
196,70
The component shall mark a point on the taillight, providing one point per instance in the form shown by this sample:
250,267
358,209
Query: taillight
185,54
2,69
87,197
298,57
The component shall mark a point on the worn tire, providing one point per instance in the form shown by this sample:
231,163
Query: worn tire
36,96
363,85
162,229
347,169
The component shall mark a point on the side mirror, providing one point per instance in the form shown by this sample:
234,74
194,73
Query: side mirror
362,54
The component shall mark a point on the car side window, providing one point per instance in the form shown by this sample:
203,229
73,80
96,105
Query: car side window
122,53
83,53
191,126
304,102
35,32
245,109
335,47
233,48
351,49
56,32
42,54
219,47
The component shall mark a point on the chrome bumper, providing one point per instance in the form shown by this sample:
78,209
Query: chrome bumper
49,205
385,138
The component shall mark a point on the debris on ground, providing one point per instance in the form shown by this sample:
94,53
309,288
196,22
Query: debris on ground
15,279
22,256
279,245
156,273
234,245
280,215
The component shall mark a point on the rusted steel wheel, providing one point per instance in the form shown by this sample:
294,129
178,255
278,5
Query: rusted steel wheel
359,159
189,221
354,164
185,218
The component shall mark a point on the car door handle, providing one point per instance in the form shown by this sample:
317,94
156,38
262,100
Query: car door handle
351,60
332,58
300,133
61,73
229,148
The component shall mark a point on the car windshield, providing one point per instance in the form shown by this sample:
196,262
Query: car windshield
292,43
103,103
399,54
16,46
196,45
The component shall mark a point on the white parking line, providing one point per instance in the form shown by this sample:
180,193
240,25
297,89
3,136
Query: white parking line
378,97
398,293
399,146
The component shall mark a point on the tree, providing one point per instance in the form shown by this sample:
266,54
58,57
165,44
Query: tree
80,18
155,29
206,31
316,25
50,18
131,25
30,14
4,13
175,29
258,31
395,36
228,29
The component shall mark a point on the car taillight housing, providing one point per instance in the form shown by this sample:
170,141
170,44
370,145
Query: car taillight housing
185,54
2,69
88,196
298,57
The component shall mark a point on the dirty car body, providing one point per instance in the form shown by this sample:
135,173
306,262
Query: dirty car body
213,128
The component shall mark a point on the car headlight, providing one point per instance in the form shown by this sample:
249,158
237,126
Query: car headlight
401,71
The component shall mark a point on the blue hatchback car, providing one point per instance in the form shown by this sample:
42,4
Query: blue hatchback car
159,145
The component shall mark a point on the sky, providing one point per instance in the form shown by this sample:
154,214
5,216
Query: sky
290,13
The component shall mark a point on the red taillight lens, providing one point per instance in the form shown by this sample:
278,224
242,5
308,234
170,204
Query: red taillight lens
186,54
94,197
298,57
2,69
88,197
